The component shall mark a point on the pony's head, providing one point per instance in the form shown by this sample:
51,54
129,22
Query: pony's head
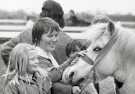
101,31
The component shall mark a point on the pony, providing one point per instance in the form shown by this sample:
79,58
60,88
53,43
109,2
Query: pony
112,53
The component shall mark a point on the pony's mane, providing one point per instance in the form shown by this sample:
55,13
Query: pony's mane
125,43
90,33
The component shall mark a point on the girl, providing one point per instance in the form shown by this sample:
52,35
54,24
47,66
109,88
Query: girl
23,75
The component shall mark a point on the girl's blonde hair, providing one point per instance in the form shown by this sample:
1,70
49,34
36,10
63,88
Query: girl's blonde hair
19,58
18,62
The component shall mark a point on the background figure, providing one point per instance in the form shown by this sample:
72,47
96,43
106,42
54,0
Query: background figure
76,21
74,46
53,10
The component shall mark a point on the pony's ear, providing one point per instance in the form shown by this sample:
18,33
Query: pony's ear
111,27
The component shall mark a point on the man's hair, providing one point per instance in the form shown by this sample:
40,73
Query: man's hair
42,26
53,10
71,47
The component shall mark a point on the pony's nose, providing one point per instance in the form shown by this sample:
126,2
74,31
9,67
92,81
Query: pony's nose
71,75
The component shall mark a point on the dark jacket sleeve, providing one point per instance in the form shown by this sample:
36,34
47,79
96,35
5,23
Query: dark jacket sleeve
61,88
7,47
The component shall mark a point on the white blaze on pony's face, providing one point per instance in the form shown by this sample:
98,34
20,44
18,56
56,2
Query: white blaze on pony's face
76,72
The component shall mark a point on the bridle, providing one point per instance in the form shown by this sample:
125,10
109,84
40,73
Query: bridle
100,56
105,50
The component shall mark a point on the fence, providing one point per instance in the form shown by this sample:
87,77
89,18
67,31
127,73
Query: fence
11,28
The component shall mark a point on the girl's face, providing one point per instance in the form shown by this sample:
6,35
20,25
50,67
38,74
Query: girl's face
33,64
35,67
49,40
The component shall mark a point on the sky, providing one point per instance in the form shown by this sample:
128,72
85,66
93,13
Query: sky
109,6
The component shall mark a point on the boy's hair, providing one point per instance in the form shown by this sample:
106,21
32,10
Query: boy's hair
71,47
42,26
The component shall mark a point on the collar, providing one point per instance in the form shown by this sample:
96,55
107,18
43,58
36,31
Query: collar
48,55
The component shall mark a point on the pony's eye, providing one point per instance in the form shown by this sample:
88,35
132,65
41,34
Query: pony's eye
97,49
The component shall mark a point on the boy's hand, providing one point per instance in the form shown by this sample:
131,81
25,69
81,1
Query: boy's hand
83,53
76,89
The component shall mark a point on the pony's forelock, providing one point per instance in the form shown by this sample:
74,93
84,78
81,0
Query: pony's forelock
101,19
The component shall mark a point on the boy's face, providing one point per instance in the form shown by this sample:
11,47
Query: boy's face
76,49
49,40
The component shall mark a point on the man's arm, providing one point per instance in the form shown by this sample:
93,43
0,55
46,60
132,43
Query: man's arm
6,49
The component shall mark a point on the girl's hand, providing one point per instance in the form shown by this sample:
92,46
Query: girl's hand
76,89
